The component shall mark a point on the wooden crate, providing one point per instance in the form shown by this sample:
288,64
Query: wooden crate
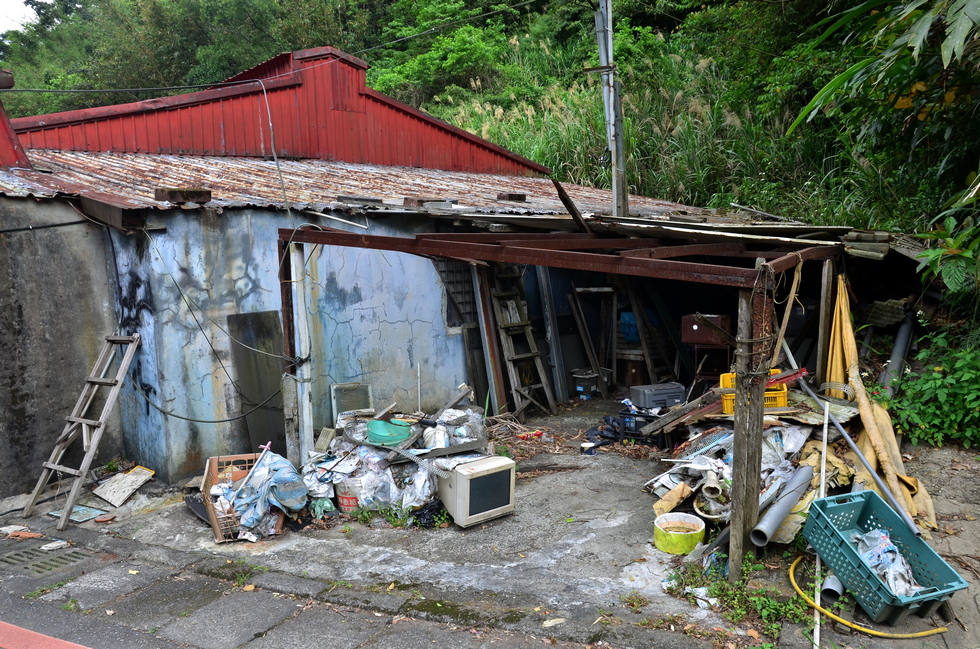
225,468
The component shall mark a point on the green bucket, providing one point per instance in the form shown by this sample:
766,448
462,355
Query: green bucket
677,533
388,433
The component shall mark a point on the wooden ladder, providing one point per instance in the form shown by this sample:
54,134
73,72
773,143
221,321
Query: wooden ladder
513,323
90,430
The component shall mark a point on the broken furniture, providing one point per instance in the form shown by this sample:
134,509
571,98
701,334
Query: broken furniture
89,430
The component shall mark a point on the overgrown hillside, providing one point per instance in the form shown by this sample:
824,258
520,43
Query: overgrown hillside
831,111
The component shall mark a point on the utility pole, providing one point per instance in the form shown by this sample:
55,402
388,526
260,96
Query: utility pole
613,108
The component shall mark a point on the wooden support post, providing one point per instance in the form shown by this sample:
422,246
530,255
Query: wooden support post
488,336
551,333
826,313
751,363
303,347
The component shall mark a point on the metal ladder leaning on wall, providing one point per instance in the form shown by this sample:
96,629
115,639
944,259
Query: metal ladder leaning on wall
90,430
513,322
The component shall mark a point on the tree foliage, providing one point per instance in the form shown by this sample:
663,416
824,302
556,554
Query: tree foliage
882,93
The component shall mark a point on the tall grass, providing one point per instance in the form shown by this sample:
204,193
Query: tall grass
685,142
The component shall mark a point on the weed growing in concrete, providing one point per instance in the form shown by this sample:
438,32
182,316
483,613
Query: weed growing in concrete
334,585
72,605
634,601
606,618
363,516
347,531
396,515
43,590
738,603
668,622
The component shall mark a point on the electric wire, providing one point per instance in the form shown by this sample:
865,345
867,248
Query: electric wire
170,413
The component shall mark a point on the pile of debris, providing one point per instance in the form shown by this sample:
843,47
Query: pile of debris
412,464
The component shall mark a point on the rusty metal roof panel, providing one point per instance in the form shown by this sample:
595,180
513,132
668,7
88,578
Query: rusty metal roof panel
316,184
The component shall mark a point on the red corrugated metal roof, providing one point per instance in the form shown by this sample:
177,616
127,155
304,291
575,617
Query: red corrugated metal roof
318,105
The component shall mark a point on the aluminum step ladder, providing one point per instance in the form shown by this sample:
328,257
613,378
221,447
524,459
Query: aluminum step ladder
513,325
80,426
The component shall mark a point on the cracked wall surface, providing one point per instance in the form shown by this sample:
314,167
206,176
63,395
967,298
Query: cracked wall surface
373,317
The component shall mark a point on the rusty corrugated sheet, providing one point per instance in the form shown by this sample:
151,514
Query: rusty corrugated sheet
317,184
319,108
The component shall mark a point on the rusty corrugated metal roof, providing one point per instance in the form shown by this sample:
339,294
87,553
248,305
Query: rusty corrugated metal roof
310,184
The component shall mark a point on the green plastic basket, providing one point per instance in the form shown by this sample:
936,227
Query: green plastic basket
828,529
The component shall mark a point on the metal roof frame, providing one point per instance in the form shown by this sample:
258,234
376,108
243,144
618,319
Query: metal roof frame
635,257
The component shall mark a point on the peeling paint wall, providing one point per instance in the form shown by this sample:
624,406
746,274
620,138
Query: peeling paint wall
373,316
56,306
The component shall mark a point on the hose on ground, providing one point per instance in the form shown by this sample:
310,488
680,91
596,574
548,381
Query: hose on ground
856,627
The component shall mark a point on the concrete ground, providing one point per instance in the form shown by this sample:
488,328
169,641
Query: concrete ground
557,571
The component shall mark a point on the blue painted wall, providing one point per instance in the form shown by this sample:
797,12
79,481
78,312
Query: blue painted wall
373,315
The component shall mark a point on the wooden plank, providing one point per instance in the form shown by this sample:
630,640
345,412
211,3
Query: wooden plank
566,200
826,313
680,414
551,332
117,489
640,317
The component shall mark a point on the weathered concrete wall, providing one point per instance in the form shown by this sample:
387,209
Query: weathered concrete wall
374,316
56,306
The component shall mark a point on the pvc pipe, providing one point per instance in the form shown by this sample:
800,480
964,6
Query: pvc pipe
777,513
882,487
889,496
832,589
896,363
711,488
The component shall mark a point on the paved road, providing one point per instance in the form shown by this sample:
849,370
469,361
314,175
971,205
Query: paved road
105,599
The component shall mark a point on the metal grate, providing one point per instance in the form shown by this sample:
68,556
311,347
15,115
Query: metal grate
40,562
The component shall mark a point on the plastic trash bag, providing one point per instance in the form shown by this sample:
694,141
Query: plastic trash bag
274,482
378,490
418,489
878,551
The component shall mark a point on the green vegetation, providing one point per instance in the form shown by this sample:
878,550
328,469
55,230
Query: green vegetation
758,607
43,590
857,112
941,403
71,605
634,601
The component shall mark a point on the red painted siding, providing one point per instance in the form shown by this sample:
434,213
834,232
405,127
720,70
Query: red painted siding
319,107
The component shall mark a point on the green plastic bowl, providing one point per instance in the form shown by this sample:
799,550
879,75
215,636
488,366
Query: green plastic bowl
388,433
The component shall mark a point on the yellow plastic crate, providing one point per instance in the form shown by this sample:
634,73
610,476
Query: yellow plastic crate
728,379
775,397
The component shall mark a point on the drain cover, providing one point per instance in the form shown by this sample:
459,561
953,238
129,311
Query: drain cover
39,562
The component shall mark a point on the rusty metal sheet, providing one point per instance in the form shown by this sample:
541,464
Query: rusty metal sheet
664,269
310,184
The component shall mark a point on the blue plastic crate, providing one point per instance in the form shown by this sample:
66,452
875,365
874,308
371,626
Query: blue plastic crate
828,529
